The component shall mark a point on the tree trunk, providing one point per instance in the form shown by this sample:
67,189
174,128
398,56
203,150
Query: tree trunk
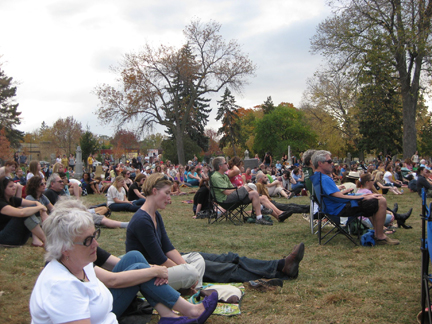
179,143
409,129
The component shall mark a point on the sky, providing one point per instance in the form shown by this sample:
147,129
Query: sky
58,51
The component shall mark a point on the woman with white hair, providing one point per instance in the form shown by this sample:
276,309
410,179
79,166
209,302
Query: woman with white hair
70,289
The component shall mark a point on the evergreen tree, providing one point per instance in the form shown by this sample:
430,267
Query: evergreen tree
183,91
227,112
88,143
268,105
10,116
379,109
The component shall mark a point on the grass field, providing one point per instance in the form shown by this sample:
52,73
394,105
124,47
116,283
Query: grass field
337,283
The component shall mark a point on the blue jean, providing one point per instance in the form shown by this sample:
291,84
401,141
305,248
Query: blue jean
193,182
123,297
139,202
233,268
15,232
124,207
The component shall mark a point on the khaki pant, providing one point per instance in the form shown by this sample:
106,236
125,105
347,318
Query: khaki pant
186,275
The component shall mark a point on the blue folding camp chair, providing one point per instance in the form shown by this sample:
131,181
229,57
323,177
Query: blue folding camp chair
426,242
338,227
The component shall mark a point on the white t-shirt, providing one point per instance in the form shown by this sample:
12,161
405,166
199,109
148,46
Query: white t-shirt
114,193
387,177
59,297
31,175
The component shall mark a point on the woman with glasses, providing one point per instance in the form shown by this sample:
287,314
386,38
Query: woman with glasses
127,177
35,192
71,289
117,199
12,217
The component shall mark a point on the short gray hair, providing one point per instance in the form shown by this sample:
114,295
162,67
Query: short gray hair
63,226
319,156
52,178
217,162
307,156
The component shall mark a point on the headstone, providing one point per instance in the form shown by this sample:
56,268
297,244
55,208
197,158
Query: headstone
251,163
246,153
78,163
289,155
348,160
99,171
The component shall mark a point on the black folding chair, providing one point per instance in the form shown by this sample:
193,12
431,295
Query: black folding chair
426,250
233,212
335,220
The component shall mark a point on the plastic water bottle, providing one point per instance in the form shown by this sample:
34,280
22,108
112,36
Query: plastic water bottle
402,190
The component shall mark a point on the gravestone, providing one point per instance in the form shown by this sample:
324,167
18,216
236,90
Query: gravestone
251,163
78,164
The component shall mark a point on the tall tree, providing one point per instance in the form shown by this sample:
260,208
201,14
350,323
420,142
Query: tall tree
66,134
10,116
284,126
148,79
336,93
400,29
125,139
89,144
230,129
182,89
379,109
152,141
268,105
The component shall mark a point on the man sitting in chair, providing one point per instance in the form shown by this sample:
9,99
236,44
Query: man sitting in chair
371,205
220,179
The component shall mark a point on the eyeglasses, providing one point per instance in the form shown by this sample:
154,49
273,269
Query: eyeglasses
328,161
42,184
89,239
60,181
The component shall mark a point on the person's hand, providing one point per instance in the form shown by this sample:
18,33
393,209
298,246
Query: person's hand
161,271
41,207
160,281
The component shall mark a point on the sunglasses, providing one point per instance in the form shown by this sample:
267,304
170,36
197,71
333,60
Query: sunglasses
89,239
42,184
328,161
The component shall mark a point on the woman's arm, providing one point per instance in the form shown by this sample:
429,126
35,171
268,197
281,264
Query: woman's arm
233,172
174,258
130,278
194,176
22,212
136,191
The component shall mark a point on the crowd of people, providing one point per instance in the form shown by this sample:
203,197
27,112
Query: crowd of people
103,286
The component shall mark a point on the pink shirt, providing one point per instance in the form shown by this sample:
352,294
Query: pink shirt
236,181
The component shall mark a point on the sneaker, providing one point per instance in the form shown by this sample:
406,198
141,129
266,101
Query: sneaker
267,211
262,221
387,241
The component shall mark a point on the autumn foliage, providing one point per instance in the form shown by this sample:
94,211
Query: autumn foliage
5,147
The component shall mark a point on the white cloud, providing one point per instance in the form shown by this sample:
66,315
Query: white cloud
60,50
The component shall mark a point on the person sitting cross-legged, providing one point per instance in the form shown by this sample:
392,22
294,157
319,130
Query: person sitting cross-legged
221,180
370,205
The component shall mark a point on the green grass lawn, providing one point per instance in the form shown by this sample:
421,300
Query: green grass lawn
337,283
